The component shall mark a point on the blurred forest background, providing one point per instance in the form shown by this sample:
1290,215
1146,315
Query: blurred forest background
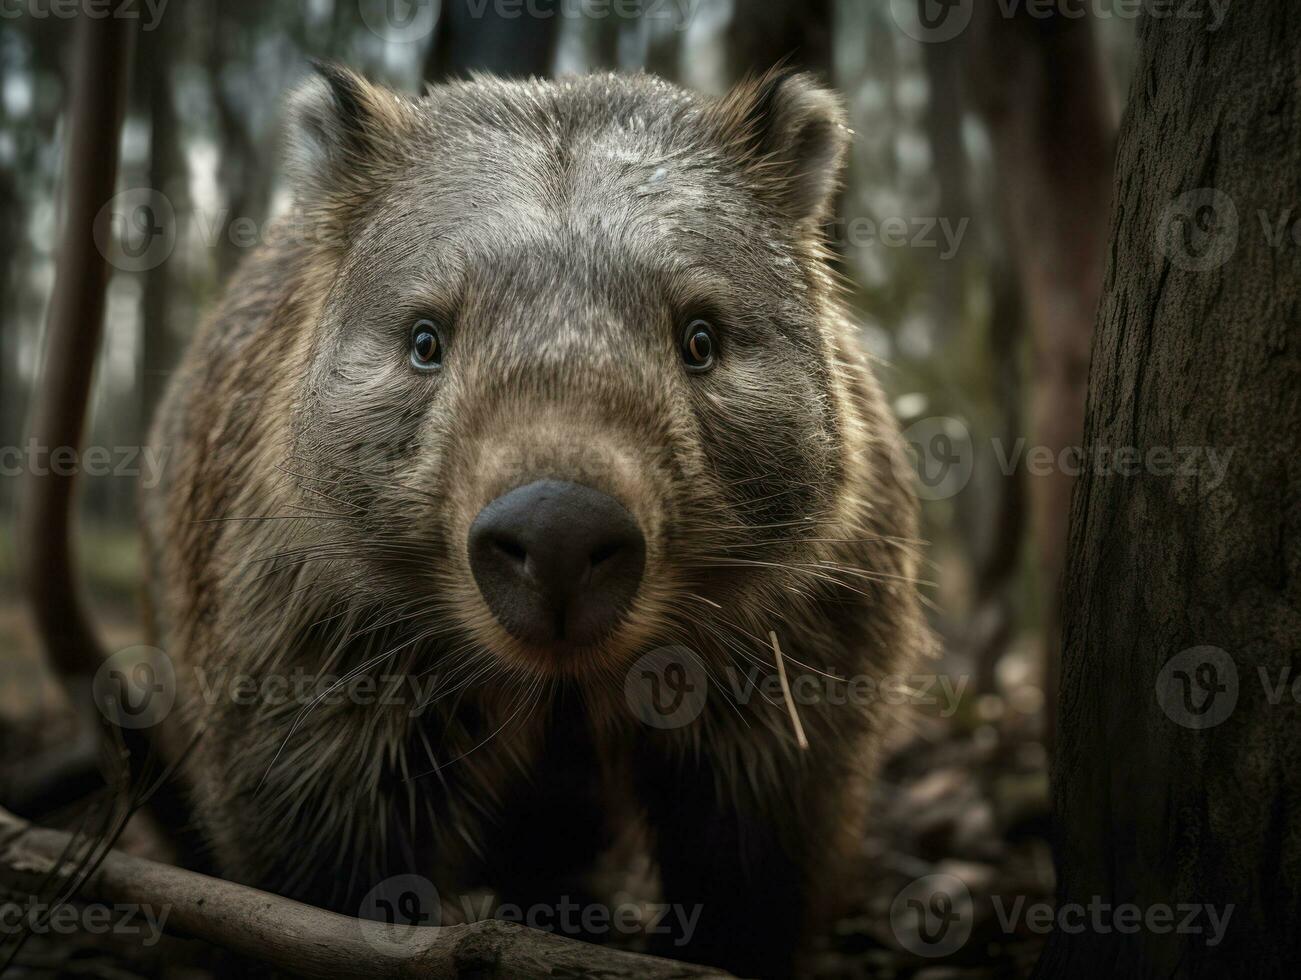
970,236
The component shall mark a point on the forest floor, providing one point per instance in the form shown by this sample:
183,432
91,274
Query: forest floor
958,834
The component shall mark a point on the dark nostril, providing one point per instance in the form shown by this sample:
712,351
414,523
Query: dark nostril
556,561
605,552
511,549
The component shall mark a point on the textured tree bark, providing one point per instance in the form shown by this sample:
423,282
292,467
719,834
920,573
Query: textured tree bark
1178,777
310,942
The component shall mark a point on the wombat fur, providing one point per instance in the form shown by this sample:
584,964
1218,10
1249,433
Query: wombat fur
313,521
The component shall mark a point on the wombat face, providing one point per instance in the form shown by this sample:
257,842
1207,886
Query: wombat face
575,378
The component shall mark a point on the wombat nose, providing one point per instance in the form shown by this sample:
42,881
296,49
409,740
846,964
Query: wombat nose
557,562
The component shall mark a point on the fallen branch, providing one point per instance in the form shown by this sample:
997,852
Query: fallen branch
312,942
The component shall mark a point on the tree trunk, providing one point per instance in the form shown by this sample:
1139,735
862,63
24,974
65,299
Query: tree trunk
1178,775
945,70
999,532
765,32
169,174
243,168
1044,98
74,325
495,39
13,233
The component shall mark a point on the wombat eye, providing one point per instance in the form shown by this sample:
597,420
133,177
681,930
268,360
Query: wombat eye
699,345
426,345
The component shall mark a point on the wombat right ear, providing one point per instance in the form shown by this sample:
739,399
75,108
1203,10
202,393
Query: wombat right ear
341,139
790,133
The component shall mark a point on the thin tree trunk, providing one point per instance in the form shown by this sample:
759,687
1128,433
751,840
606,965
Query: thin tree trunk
998,553
1045,100
945,71
1178,777
160,346
245,165
73,328
493,39
765,32
13,235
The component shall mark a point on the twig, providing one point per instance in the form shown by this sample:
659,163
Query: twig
312,942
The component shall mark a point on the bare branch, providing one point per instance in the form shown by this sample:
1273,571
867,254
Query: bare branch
312,942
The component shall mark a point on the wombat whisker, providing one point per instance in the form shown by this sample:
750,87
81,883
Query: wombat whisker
802,522
461,650
766,542
303,483
761,645
812,572
527,697
378,481
302,714
456,681
874,575
708,602
811,522
275,517
470,654
733,646
871,575
402,617
288,562
323,549
305,554
714,681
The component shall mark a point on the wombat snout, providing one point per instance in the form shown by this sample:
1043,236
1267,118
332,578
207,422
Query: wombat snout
556,562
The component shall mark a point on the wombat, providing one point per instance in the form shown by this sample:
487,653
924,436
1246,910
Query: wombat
541,401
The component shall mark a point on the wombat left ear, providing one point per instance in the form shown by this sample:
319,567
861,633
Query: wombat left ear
340,132
792,135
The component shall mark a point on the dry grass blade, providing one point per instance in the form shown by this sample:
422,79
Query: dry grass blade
786,691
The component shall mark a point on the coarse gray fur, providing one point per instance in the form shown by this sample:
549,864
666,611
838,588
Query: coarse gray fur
315,512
